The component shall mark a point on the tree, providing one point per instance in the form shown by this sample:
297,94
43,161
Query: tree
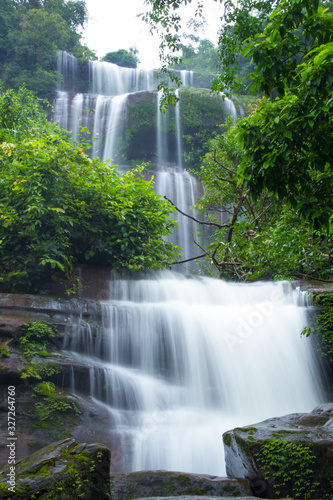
122,58
31,34
240,20
288,141
253,237
59,209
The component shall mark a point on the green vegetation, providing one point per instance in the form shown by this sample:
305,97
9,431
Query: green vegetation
121,57
260,237
50,405
203,58
272,171
31,33
288,466
4,352
34,339
322,324
201,117
59,208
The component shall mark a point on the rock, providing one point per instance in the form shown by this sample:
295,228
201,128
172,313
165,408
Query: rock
164,483
63,469
287,456
92,425
201,498
196,498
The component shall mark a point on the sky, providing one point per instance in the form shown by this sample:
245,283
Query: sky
113,25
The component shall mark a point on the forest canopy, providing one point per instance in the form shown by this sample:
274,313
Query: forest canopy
31,33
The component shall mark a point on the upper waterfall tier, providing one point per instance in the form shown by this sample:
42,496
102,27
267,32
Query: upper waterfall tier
109,79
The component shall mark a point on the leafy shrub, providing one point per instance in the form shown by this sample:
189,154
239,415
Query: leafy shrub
58,208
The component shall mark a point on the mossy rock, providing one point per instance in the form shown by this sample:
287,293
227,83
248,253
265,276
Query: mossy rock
290,456
63,470
129,486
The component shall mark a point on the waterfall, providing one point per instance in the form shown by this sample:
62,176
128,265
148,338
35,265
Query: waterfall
67,70
162,127
178,135
115,125
179,361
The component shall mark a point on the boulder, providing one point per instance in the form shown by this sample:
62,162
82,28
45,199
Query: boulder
92,422
63,470
163,484
290,456
196,498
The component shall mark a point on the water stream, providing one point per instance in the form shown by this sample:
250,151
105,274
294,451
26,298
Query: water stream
179,360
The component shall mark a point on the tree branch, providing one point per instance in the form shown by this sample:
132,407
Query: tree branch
196,220
189,260
231,172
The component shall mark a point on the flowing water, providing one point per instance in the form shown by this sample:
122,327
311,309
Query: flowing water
179,360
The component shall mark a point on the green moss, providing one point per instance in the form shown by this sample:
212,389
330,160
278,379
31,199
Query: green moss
182,478
197,491
4,352
249,430
227,439
288,466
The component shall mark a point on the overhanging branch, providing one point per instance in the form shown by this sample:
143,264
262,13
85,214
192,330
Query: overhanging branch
220,226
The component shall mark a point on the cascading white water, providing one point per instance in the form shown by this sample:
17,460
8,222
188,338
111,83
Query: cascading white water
179,361
178,134
183,190
67,70
115,125
162,126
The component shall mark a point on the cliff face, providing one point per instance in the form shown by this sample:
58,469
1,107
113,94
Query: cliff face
31,379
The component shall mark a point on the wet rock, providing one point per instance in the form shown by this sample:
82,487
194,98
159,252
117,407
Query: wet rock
196,498
164,483
92,423
287,456
63,469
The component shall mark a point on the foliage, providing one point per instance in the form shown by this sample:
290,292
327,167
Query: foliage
288,141
321,324
240,20
34,341
198,55
32,33
122,58
50,404
255,237
34,338
289,466
58,208
201,115
4,352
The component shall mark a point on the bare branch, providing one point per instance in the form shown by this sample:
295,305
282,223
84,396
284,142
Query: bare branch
189,260
225,180
196,220
262,213
231,172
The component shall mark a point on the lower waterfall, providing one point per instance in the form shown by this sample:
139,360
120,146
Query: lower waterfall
177,361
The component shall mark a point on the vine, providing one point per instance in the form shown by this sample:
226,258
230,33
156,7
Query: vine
288,466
